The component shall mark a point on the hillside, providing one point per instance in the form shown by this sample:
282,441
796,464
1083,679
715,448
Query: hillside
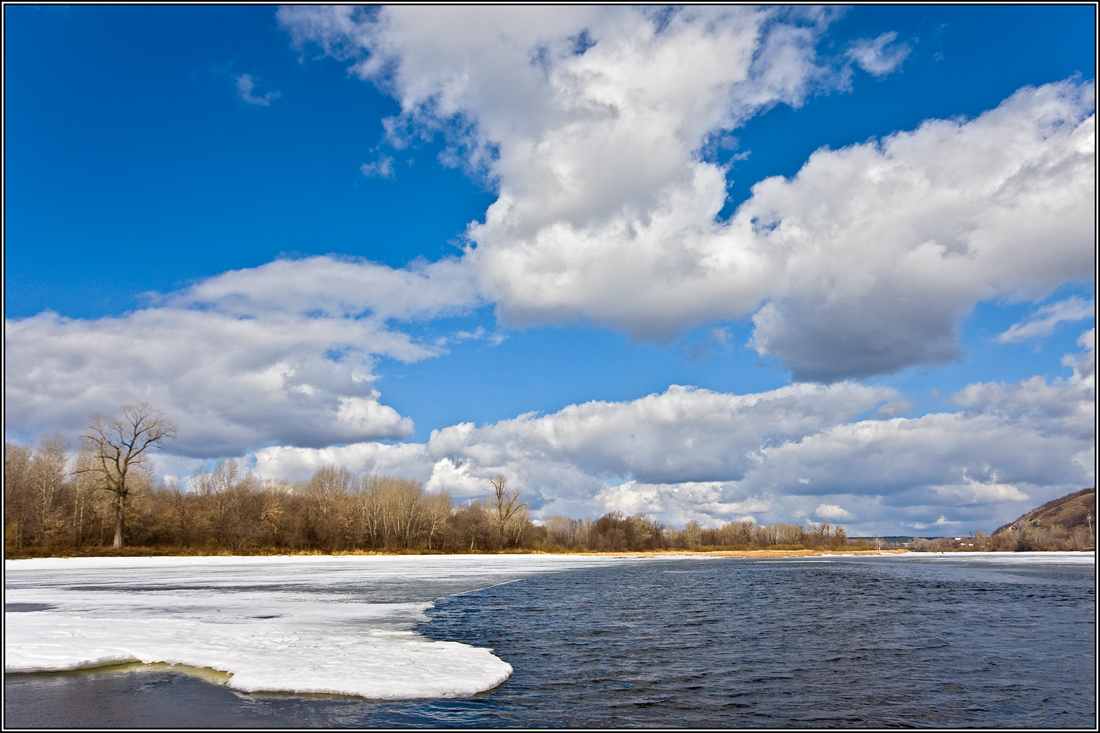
1071,511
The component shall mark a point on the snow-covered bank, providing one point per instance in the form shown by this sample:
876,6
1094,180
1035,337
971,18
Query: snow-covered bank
999,558
341,625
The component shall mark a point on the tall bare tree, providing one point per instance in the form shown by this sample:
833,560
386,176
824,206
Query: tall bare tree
119,445
18,499
48,481
509,514
329,492
437,510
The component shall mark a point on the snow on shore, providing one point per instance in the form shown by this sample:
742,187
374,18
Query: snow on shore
295,624
996,558
340,625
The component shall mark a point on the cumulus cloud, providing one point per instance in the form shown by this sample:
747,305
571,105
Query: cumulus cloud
889,243
230,383
1084,363
832,512
283,353
682,437
1047,318
245,85
1060,406
604,211
803,450
592,122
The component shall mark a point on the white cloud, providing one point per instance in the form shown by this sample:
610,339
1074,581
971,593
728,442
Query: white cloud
1046,319
682,437
245,85
270,374
231,383
336,287
831,512
604,210
492,338
940,523
692,454
971,491
631,498
878,56
283,353
381,168
1061,406
592,122
886,245
1083,364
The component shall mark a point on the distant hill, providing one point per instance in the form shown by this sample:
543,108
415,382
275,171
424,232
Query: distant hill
1071,511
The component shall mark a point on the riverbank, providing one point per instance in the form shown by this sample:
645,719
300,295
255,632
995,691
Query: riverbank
744,554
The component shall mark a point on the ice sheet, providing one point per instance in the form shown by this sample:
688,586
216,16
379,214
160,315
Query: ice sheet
340,625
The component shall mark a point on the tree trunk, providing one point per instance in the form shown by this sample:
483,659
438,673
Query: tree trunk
119,513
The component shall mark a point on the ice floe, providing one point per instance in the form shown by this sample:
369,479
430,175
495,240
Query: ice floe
339,625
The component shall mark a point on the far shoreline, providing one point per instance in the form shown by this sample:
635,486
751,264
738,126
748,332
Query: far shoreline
137,553
771,554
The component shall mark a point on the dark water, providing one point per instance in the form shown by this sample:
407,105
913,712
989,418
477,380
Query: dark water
860,642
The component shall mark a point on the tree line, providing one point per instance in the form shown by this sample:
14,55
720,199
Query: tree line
1024,538
50,507
105,495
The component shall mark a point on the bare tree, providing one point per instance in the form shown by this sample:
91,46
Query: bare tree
691,535
437,510
328,492
509,514
229,493
18,499
561,530
48,480
119,445
403,510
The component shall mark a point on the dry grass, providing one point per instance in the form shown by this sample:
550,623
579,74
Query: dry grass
744,554
153,552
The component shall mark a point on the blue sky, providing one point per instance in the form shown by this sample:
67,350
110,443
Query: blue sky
793,264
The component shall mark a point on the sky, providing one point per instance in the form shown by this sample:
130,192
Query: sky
786,264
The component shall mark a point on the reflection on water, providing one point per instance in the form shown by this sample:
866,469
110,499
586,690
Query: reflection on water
685,643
